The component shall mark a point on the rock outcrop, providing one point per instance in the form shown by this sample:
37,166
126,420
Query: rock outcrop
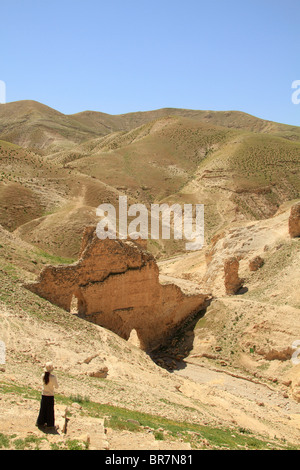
116,285
231,280
294,221
100,373
256,263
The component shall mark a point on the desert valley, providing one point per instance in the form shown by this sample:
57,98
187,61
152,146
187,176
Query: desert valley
155,347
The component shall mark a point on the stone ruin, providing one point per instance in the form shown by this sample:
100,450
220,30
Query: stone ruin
232,281
294,221
116,285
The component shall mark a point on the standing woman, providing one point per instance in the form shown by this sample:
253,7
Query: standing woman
46,414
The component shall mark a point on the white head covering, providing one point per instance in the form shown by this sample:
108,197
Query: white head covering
49,367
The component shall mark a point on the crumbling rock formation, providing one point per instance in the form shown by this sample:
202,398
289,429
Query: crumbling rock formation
294,221
232,281
116,284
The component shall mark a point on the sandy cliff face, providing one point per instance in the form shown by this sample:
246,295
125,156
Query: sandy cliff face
116,285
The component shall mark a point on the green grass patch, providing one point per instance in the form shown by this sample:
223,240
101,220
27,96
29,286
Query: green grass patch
29,442
12,442
4,441
70,444
159,435
119,423
54,259
136,421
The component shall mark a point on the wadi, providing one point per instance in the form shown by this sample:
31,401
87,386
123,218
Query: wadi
155,346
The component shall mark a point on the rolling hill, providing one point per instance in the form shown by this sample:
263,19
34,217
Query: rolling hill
225,379
56,169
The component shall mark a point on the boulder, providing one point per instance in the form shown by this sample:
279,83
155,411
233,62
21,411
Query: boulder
294,221
256,263
100,373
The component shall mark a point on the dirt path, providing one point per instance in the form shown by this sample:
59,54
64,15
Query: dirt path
238,386
255,406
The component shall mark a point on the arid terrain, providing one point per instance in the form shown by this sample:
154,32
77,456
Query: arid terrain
223,322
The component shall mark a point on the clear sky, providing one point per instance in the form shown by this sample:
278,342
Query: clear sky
119,56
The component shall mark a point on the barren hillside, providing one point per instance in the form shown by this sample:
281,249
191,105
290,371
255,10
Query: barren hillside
225,378
63,167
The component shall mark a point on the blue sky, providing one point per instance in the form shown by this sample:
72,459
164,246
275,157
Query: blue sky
122,56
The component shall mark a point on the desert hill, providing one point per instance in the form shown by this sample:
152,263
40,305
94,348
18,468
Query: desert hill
225,378
35,125
239,166
229,119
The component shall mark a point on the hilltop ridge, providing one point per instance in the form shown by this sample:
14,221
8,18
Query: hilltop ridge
239,166
87,124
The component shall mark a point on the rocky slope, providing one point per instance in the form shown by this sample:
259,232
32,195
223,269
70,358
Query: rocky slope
56,168
254,330
228,377
228,369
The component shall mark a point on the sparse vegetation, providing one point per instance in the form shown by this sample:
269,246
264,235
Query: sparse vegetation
153,156
242,169
118,418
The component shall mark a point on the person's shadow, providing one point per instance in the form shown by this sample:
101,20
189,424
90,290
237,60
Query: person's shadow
48,429
242,290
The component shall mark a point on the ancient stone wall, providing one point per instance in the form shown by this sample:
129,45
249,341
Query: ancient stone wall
116,284
231,276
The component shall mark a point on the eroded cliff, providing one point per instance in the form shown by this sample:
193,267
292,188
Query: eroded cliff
116,285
